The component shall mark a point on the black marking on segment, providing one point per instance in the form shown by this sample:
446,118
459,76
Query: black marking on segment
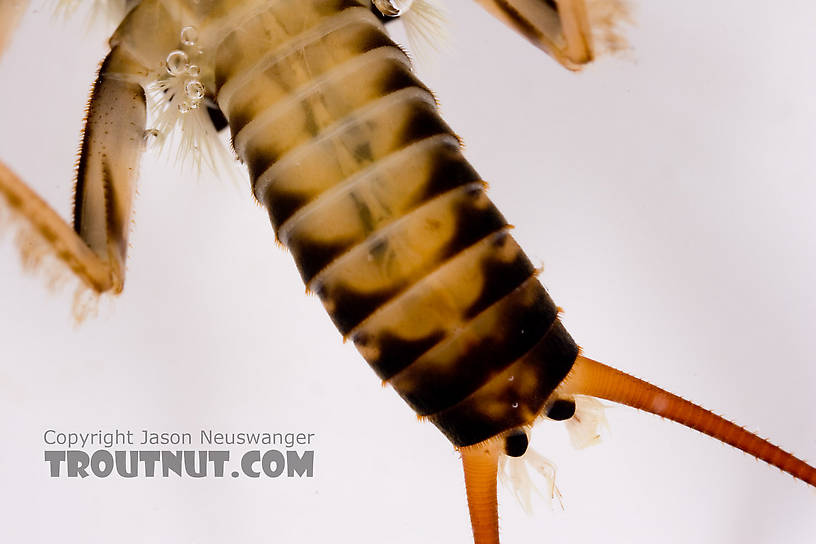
516,442
311,257
426,122
449,170
500,277
395,352
476,219
239,118
436,385
561,409
399,76
364,213
282,205
259,159
488,413
350,307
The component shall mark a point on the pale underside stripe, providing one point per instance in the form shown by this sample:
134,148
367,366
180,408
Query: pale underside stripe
214,33
322,29
356,117
262,121
338,191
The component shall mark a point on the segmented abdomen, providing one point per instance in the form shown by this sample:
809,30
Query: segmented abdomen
387,222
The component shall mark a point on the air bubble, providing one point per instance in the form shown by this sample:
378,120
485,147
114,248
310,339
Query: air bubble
193,70
393,8
184,107
511,378
177,62
189,35
194,89
515,405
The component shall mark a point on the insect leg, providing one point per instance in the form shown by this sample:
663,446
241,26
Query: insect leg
112,144
558,27
11,11
567,30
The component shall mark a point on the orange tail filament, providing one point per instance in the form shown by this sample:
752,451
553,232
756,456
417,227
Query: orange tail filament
481,469
592,378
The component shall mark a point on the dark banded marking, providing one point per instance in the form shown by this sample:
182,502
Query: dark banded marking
376,81
396,352
491,264
503,404
475,217
500,276
387,124
289,194
448,170
238,53
493,340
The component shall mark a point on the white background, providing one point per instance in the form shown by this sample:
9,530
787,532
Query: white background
669,194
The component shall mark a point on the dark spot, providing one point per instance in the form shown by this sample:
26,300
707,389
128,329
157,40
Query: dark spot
378,249
561,410
363,153
515,443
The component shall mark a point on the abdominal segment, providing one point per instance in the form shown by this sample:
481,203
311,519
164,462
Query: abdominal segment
388,223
